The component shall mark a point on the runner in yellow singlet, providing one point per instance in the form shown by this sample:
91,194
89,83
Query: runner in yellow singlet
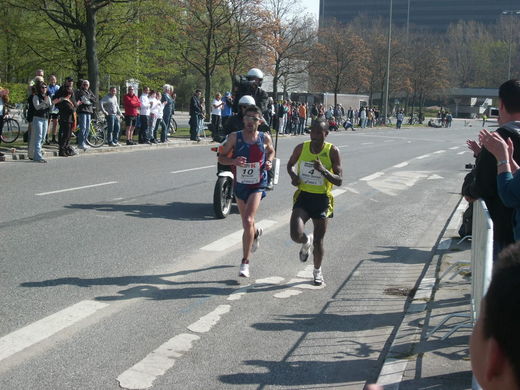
314,167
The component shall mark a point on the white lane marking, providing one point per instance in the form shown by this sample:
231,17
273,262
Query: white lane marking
434,177
401,165
143,374
270,280
354,191
115,199
439,151
423,156
234,238
76,188
389,140
367,143
306,273
454,147
342,146
194,169
444,244
46,327
204,324
459,153
287,293
399,181
372,176
337,192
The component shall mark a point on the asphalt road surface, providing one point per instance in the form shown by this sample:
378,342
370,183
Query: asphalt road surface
115,273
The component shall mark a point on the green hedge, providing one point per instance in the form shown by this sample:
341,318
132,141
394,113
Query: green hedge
17,92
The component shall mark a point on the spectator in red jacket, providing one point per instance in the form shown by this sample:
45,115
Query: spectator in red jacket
131,104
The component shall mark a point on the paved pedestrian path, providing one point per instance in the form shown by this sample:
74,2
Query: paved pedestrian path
418,359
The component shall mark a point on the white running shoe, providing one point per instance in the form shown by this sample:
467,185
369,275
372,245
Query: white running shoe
306,248
318,277
256,243
244,270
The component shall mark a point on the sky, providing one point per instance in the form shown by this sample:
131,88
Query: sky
313,6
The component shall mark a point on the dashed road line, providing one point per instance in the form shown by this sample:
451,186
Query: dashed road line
454,147
401,165
204,324
46,327
76,188
143,374
193,169
459,153
439,152
372,176
423,156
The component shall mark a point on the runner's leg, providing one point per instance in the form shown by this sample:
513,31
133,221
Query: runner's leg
298,219
320,227
247,213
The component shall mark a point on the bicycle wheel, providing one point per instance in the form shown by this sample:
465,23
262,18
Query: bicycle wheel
96,136
173,126
11,130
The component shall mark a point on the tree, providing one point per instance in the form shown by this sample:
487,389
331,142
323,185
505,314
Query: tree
81,15
339,59
205,35
287,38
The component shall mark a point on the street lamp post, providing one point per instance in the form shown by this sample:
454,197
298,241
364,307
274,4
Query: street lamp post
512,13
388,61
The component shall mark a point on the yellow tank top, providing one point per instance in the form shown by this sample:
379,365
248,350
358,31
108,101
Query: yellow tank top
310,179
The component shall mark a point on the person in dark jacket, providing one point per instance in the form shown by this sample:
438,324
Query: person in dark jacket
485,183
86,102
67,108
195,115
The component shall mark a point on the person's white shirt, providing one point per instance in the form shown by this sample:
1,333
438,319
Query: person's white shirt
218,110
157,108
145,104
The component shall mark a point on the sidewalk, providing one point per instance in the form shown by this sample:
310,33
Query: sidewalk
416,359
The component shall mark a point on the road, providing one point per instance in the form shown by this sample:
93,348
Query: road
114,272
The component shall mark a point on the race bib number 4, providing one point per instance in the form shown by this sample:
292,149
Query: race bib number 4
249,174
309,174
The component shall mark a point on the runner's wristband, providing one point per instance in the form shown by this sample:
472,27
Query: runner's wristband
502,162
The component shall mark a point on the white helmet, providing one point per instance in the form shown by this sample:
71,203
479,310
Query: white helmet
255,72
246,100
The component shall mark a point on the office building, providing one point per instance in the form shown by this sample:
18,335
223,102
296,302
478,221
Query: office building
435,15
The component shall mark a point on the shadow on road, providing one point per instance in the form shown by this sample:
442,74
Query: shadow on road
178,211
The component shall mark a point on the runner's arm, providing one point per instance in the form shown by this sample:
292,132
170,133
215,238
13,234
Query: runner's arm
336,176
227,148
295,180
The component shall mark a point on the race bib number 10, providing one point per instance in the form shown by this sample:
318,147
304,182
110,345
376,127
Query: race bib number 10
249,174
309,175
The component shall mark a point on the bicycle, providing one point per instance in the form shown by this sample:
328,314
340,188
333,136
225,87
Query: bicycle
173,126
11,130
96,136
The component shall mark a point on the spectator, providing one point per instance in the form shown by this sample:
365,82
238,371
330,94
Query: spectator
52,89
485,184
495,346
30,109
227,110
216,115
4,100
167,100
144,131
131,104
42,107
67,108
400,118
449,119
302,115
110,107
201,117
195,115
158,113
86,101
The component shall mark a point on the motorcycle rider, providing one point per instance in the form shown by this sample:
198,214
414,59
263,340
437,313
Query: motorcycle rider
252,87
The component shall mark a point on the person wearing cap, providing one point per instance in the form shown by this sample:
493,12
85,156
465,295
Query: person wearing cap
255,77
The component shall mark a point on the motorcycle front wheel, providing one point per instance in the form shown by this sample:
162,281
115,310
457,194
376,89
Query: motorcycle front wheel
223,197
